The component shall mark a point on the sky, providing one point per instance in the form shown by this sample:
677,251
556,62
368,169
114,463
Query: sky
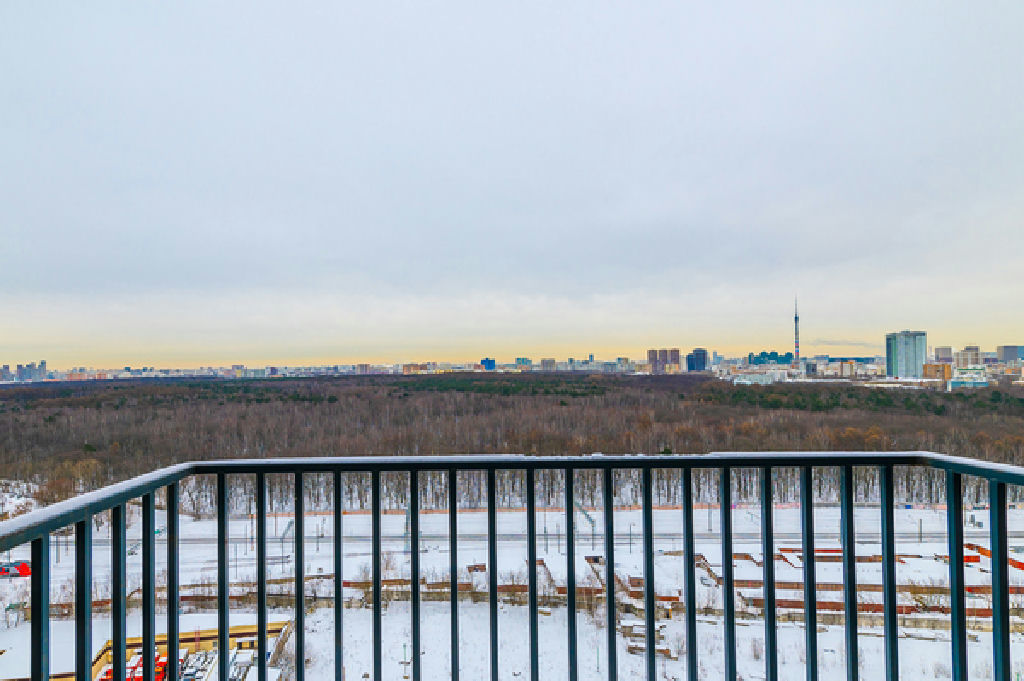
209,183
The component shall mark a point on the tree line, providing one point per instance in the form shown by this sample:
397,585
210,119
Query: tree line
69,438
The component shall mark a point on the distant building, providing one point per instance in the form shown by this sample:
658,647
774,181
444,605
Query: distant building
523,362
1008,353
772,357
548,364
944,354
970,356
488,363
938,370
697,360
905,353
969,378
673,356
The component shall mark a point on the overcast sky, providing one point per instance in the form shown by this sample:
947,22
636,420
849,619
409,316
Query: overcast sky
187,184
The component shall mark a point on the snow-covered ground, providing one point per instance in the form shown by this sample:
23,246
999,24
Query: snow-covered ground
920,535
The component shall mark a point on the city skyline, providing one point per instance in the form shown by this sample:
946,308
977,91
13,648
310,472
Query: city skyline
680,357
326,182
397,351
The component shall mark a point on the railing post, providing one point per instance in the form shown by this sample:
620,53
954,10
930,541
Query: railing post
810,580
83,599
570,572
771,644
1001,669
300,581
728,581
531,569
848,532
957,606
609,573
261,576
689,574
223,631
649,604
172,581
40,663
118,539
414,565
492,568
339,579
148,588
891,624
375,521
453,567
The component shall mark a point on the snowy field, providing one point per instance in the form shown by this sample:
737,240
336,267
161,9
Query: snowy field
920,535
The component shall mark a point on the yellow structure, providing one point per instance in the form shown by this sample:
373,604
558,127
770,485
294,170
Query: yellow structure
206,639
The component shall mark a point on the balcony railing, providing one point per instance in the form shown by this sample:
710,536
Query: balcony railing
36,527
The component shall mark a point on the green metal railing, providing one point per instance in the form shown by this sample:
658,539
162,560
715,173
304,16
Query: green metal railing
35,528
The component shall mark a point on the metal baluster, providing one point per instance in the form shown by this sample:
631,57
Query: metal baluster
531,574
810,584
223,631
118,539
453,567
83,599
648,527
728,581
957,607
492,568
848,532
689,574
609,573
375,520
300,582
414,564
570,572
40,662
1001,668
172,671
261,576
148,588
891,624
771,643
339,579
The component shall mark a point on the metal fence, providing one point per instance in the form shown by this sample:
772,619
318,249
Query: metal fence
36,527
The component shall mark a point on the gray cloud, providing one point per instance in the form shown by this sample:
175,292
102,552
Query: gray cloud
396,150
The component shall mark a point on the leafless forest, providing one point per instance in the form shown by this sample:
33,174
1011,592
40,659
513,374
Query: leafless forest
73,437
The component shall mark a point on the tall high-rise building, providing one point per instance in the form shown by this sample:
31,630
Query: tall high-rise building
944,354
697,360
673,356
796,332
905,354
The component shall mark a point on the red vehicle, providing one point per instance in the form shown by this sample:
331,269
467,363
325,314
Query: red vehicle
16,569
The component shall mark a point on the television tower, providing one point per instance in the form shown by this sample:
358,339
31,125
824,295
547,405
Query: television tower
796,331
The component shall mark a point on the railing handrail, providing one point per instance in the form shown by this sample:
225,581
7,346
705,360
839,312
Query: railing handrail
23,529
